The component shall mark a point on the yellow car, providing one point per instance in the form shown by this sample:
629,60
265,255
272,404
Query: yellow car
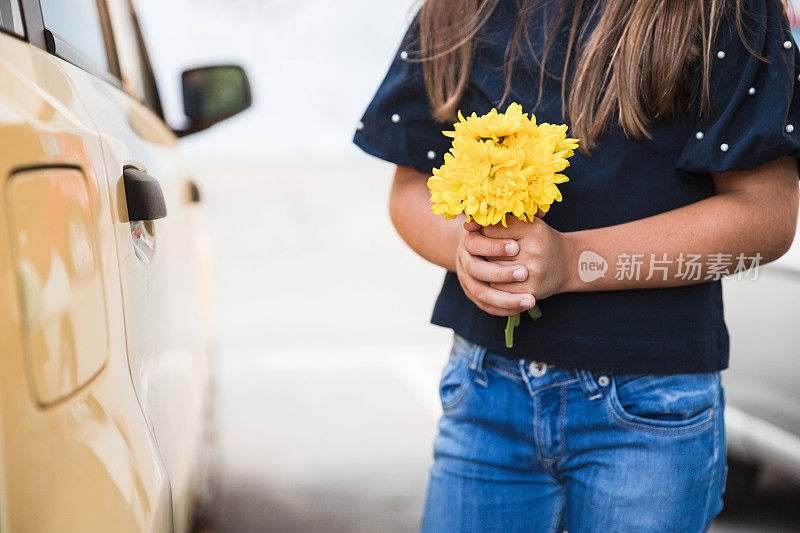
105,413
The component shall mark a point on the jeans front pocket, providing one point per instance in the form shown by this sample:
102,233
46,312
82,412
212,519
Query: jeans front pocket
456,376
665,404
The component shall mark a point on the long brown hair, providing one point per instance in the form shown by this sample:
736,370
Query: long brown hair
634,65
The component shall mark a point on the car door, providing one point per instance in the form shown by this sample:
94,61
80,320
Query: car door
76,453
158,260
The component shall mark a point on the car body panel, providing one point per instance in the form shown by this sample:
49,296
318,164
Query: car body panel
161,296
51,215
106,317
92,445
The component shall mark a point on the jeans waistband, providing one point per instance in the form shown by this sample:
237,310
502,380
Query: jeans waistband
528,370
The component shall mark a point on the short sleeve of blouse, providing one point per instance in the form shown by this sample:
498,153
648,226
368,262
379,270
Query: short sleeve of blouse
754,114
398,125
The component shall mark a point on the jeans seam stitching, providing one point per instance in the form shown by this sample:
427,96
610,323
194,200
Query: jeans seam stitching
561,421
657,431
559,384
460,398
711,472
535,425
559,512
714,465
455,402
503,372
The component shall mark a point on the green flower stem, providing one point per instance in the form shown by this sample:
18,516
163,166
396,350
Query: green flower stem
535,312
513,321
511,324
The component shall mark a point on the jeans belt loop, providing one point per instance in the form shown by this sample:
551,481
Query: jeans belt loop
589,385
476,357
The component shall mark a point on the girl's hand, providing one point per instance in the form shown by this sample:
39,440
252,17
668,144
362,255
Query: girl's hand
543,251
482,262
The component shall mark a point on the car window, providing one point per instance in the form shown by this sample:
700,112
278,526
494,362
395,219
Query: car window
77,22
131,62
10,18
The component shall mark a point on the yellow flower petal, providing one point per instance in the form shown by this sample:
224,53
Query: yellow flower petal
500,164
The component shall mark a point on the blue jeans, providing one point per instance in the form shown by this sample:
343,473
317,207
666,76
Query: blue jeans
526,448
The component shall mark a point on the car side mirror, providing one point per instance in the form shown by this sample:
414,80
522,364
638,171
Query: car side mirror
213,94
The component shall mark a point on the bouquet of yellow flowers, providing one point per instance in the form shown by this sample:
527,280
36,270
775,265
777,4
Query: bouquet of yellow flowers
501,164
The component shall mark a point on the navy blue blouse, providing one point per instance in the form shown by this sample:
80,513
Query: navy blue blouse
754,119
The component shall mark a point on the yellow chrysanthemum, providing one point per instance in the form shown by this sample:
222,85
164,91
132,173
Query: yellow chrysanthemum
500,164
492,125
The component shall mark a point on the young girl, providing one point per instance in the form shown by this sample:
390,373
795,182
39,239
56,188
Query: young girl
606,415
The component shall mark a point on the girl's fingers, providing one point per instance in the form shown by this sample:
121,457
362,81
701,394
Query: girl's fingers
516,229
512,303
499,232
472,226
488,272
480,245
482,293
492,310
516,287
496,311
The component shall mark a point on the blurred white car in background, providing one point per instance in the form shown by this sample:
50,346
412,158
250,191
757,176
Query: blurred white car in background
763,412
762,416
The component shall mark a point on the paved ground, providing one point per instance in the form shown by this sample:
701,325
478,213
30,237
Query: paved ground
328,368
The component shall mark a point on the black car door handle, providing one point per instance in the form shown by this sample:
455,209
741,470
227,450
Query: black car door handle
144,196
